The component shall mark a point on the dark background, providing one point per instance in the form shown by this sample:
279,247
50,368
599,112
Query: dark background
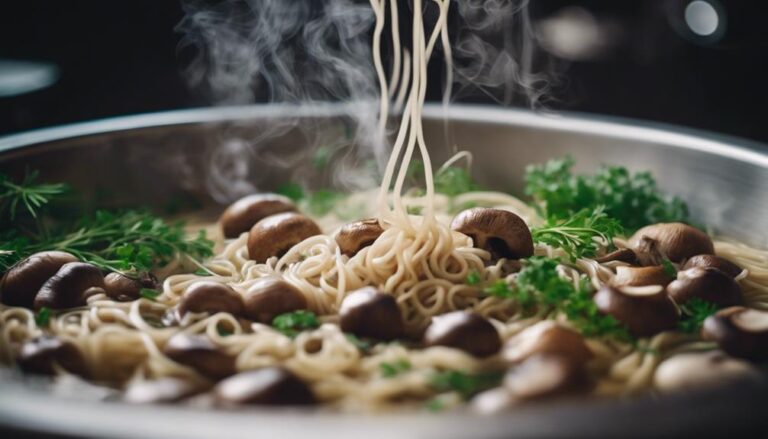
120,57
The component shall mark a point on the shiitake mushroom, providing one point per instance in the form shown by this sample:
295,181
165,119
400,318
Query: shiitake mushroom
276,234
72,284
125,289
41,354
264,386
674,241
707,284
739,331
463,330
199,353
645,311
269,297
355,236
241,215
21,283
547,337
500,232
713,261
212,297
368,312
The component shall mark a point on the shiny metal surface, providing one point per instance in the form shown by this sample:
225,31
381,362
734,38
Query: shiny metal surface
151,159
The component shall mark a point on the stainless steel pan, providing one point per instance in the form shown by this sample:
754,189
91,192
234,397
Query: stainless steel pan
151,159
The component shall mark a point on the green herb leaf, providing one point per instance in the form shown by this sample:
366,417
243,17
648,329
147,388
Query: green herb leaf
322,202
669,268
473,278
148,293
389,370
466,384
27,195
450,181
292,323
695,311
43,316
363,345
581,235
202,272
293,191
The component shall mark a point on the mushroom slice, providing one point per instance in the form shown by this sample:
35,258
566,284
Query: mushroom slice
125,289
547,337
199,353
714,261
212,297
620,255
21,283
241,215
739,331
675,241
500,232
355,236
276,234
708,284
269,297
641,276
645,311
70,286
265,386
463,330
694,371
546,376
40,355
163,390
368,312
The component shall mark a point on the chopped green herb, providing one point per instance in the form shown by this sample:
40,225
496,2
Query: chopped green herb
363,345
28,195
695,311
581,235
43,316
292,323
291,190
389,370
414,210
148,293
501,289
466,384
202,272
669,268
473,278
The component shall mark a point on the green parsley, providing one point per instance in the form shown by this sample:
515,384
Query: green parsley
292,323
362,345
202,272
695,311
473,278
389,370
581,235
43,316
148,293
27,195
500,289
465,384
291,190
669,268
450,181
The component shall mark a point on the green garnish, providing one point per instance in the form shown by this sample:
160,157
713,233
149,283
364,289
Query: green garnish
500,289
148,293
695,311
473,278
669,268
362,345
43,316
202,272
450,181
465,384
318,203
292,323
581,235
291,190
414,210
28,194
389,370
634,200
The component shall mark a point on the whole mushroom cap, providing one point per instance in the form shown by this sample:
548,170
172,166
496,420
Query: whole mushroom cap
463,330
21,283
739,331
241,215
708,284
125,289
645,311
70,286
641,276
675,241
276,234
265,386
269,297
694,371
546,376
199,353
40,354
212,297
355,236
368,312
720,263
547,337
500,232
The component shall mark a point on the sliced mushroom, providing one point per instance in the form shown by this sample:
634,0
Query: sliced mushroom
161,391
547,337
713,261
739,331
620,255
368,312
500,232
70,286
675,241
353,237
546,376
241,215
641,276
21,283
265,386
211,297
125,289
694,371
199,353
708,284
464,330
40,356
645,311
269,297
276,234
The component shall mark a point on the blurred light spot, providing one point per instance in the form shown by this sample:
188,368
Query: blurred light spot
701,17
19,77
573,33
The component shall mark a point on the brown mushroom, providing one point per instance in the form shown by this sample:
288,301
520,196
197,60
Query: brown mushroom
500,232
125,289
276,234
697,370
199,353
265,386
713,261
547,337
546,376
621,255
463,330
645,311
367,312
161,391
355,236
241,215
70,286
708,284
40,355
269,297
211,297
739,331
21,283
675,241
641,276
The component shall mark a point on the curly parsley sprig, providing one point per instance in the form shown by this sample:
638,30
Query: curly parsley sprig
581,235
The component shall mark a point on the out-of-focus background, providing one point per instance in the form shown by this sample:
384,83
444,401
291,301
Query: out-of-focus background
696,63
